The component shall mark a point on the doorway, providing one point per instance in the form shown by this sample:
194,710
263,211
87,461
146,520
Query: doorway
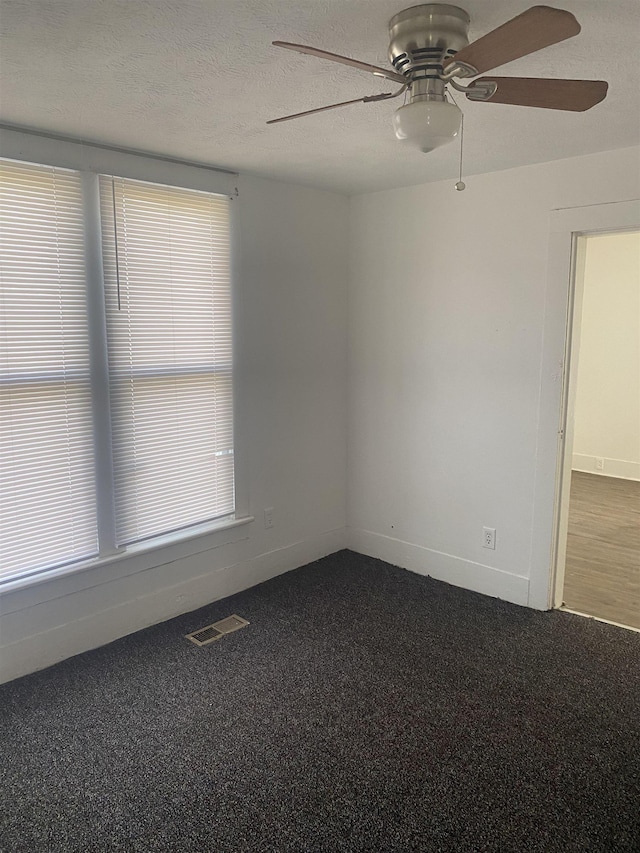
598,551
552,481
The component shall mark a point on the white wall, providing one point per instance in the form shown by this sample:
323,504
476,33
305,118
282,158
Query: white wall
446,315
290,318
607,407
445,318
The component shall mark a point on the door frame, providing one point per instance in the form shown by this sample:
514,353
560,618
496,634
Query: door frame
557,392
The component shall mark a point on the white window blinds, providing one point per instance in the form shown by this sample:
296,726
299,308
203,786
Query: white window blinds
47,484
168,306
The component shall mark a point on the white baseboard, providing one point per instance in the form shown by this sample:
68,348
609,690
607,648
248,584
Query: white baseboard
443,567
620,468
135,609
77,622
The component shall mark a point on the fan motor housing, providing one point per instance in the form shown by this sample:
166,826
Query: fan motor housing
422,37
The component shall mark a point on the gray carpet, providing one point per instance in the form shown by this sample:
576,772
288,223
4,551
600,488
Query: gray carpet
364,709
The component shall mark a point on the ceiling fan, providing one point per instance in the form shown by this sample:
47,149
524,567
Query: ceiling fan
429,50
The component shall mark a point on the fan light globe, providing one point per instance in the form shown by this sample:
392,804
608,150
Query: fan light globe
427,124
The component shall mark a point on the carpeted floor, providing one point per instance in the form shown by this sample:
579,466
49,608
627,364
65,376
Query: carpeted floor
364,709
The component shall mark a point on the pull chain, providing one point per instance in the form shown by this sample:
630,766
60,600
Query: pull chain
461,184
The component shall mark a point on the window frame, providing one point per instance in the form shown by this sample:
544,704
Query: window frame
91,161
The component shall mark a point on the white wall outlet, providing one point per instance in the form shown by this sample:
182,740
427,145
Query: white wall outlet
268,518
489,538
599,463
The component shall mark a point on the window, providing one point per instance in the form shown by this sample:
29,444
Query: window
155,403
166,263
47,489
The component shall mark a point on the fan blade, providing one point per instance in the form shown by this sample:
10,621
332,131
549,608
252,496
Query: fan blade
575,95
318,110
538,27
343,60
364,100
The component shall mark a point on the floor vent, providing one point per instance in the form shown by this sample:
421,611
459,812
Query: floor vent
216,631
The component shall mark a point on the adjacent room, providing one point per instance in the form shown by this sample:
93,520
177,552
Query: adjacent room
602,574
289,293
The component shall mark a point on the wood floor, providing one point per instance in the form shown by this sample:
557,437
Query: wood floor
602,575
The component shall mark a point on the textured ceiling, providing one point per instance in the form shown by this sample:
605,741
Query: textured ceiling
197,79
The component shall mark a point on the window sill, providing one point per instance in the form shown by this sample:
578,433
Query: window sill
167,548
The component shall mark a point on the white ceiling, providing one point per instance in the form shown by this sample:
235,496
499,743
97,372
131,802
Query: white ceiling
198,79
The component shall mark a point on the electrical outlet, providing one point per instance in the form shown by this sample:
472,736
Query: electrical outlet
599,463
489,538
268,518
